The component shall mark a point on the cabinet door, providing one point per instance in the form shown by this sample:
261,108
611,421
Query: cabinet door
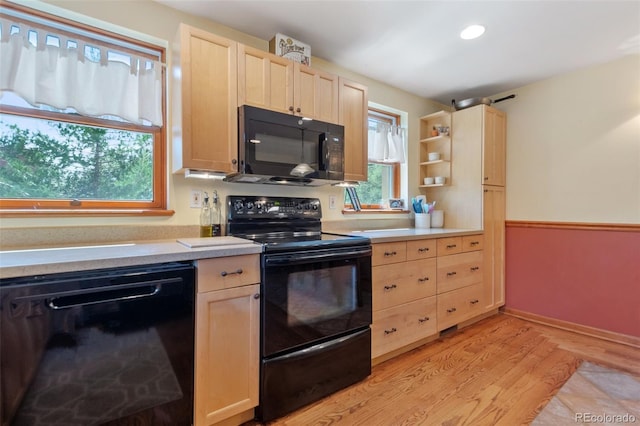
205,128
493,152
493,218
227,353
315,93
354,111
264,80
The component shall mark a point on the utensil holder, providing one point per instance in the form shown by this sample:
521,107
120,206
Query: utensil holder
423,220
437,218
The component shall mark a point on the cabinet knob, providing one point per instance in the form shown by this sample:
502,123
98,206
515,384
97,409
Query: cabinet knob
486,178
234,161
298,109
256,296
236,272
291,108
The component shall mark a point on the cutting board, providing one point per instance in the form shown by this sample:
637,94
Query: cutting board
211,241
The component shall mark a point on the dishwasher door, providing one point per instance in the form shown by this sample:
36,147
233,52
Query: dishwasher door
112,346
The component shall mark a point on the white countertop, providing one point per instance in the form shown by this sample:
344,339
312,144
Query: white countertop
37,261
405,234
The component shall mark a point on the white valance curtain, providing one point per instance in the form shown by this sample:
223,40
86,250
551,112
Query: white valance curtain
64,72
386,143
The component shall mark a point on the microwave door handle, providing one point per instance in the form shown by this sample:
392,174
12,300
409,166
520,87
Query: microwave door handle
323,152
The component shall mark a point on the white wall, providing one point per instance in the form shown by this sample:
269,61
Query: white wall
573,146
162,23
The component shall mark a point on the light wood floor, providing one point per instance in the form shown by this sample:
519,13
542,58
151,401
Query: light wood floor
500,371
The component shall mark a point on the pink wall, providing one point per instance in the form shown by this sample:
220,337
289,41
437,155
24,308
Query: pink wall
583,276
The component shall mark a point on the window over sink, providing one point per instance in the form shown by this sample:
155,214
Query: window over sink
82,118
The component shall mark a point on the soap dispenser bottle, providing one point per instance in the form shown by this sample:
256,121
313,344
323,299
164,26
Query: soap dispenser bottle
216,216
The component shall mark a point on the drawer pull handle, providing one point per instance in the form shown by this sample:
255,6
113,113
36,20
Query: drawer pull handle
450,246
389,253
474,301
450,274
390,287
238,272
423,279
451,310
474,268
423,249
421,320
393,330
475,243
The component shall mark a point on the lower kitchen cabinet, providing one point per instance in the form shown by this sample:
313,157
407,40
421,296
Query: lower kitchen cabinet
494,231
227,339
423,286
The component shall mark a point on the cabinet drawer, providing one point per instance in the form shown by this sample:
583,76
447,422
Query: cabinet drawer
459,270
385,253
459,305
472,242
421,249
399,326
227,272
403,282
451,245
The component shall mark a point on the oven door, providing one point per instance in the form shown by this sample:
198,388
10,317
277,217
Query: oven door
310,296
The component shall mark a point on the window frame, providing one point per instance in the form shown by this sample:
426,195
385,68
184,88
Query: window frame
13,207
393,119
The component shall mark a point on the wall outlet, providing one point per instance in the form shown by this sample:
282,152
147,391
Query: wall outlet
195,201
332,201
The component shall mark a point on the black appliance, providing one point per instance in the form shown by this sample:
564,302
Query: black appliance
315,304
281,148
110,346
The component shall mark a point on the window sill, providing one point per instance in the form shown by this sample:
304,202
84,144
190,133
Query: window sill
376,211
84,212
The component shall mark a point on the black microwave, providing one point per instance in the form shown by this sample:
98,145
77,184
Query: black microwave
280,148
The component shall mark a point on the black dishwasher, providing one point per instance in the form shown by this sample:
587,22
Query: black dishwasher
102,347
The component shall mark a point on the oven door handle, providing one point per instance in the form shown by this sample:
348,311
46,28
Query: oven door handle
308,257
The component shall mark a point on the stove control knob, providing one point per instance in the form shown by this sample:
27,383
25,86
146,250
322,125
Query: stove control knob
299,206
307,207
238,205
259,207
249,205
315,207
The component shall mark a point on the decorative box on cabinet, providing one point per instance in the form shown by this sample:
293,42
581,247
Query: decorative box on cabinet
440,143
227,339
205,128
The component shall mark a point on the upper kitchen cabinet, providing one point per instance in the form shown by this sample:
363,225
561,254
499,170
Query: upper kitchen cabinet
354,111
272,82
493,147
205,94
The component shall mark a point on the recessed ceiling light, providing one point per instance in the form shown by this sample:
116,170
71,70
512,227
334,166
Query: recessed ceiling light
472,31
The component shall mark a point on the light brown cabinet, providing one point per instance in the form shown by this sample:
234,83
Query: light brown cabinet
227,338
204,102
272,82
460,273
494,234
404,288
353,115
494,147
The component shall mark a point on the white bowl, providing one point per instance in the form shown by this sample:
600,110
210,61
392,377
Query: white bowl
429,181
439,180
434,156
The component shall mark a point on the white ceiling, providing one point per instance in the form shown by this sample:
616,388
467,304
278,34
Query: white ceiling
415,45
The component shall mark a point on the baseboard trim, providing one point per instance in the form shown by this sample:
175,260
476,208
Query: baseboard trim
611,336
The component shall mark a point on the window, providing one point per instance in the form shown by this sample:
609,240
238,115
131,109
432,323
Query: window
81,119
384,176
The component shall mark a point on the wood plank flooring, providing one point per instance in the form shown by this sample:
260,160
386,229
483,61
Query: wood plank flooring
500,371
